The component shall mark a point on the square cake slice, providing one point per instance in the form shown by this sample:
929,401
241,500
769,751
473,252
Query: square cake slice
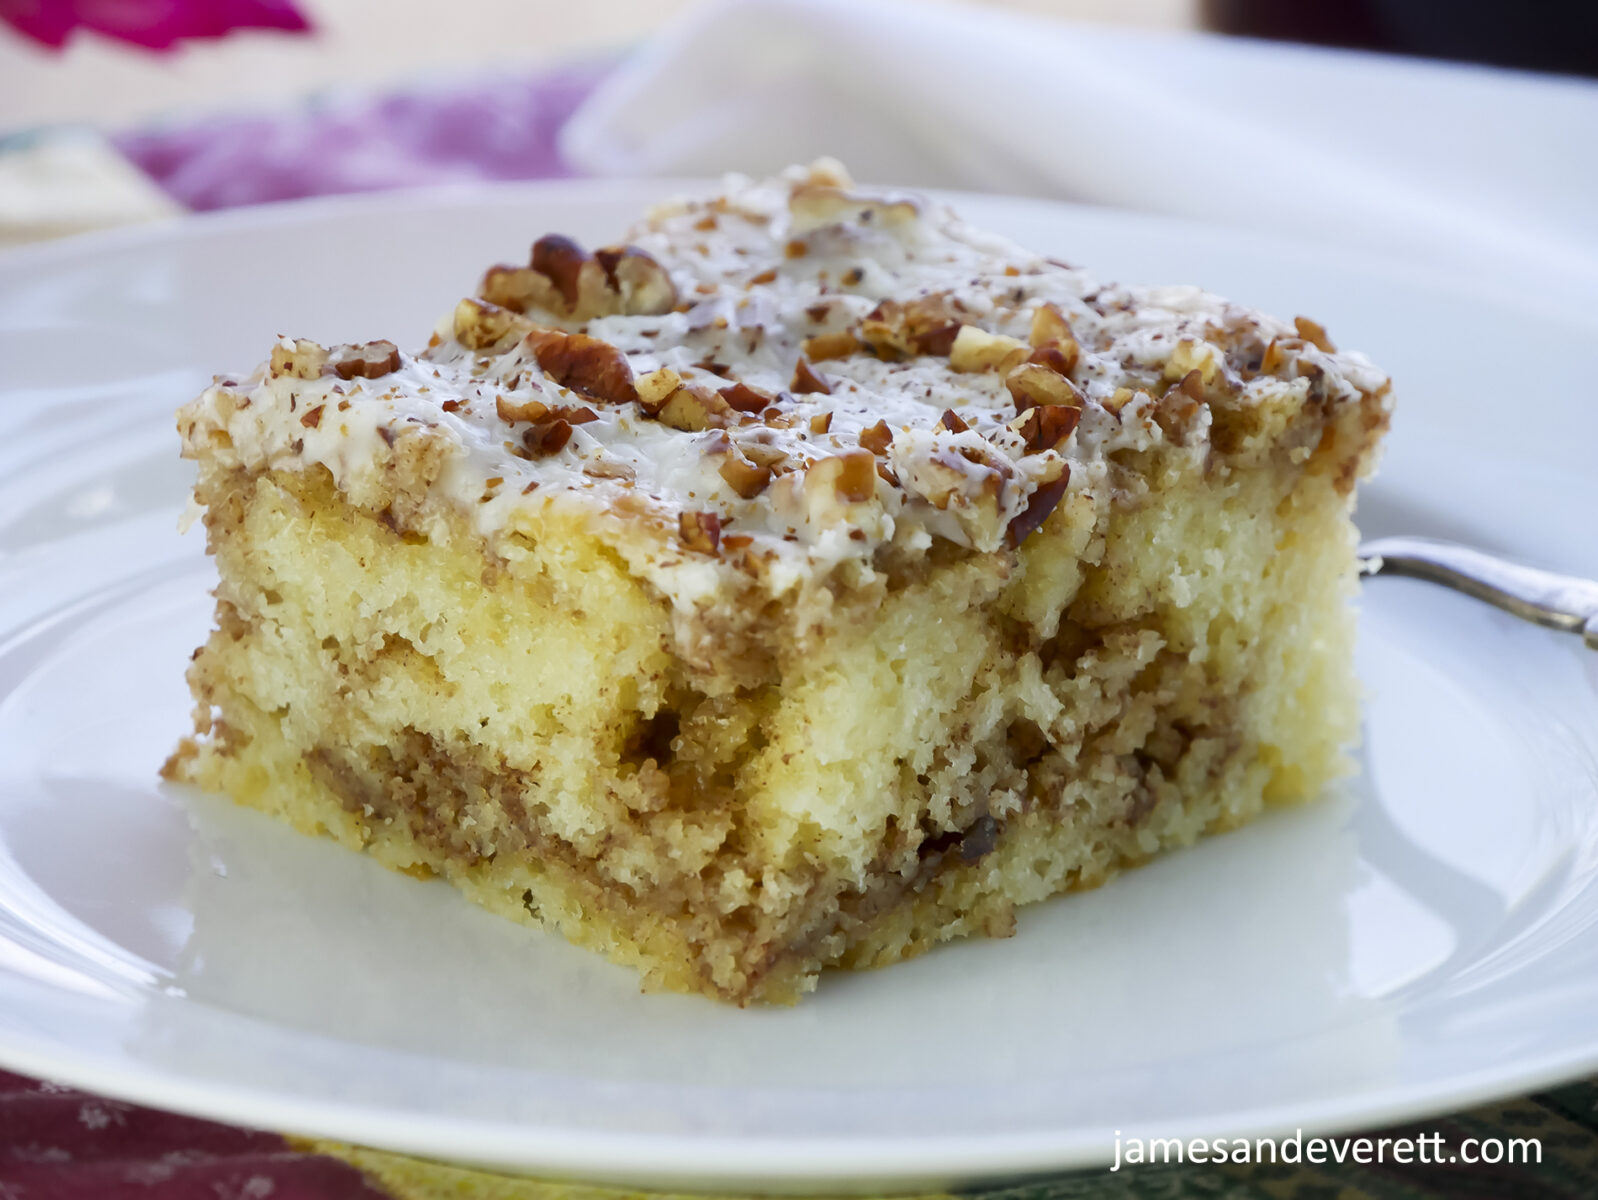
807,581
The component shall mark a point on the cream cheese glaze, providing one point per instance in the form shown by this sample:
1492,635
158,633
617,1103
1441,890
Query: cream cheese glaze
759,273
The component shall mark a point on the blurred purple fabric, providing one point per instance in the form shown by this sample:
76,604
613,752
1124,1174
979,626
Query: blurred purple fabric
485,129
153,24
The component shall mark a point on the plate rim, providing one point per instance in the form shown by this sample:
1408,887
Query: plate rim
727,1161
735,1163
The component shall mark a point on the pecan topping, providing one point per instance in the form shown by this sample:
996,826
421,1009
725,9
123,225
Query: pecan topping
547,437
1121,398
1049,326
699,531
1033,383
608,468
807,381
560,260
371,360
642,286
1045,426
745,398
821,422
481,326
655,388
1191,385
1314,333
951,421
924,325
518,289
746,478
1058,360
511,411
830,345
587,365
814,205
878,438
1054,344
976,349
850,476
565,279
1041,503
693,408
312,418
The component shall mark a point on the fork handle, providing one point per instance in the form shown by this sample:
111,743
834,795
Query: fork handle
1556,601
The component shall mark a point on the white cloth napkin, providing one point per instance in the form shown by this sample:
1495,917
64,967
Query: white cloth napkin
63,181
1490,172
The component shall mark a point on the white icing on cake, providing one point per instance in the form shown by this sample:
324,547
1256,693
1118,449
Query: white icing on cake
757,271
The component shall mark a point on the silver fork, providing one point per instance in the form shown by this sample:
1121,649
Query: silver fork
1555,601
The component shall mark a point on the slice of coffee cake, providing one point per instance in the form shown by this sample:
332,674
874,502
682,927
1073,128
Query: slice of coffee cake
808,581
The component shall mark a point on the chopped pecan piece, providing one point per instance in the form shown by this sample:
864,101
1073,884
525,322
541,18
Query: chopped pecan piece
480,325
1033,383
762,454
511,411
370,360
902,329
641,285
1118,401
565,279
547,437
655,388
1053,342
517,289
1049,326
1314,333
561,260
586,365
692,409
821,422
878,438
807,381
312,417
607,467
1061,360
830,345
746,478
976,349
1042,502
1045,426
1191,384
951,421
817,205
745,398
699,531
850,476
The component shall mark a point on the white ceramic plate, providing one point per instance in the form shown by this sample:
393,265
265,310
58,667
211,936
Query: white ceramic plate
1420,941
